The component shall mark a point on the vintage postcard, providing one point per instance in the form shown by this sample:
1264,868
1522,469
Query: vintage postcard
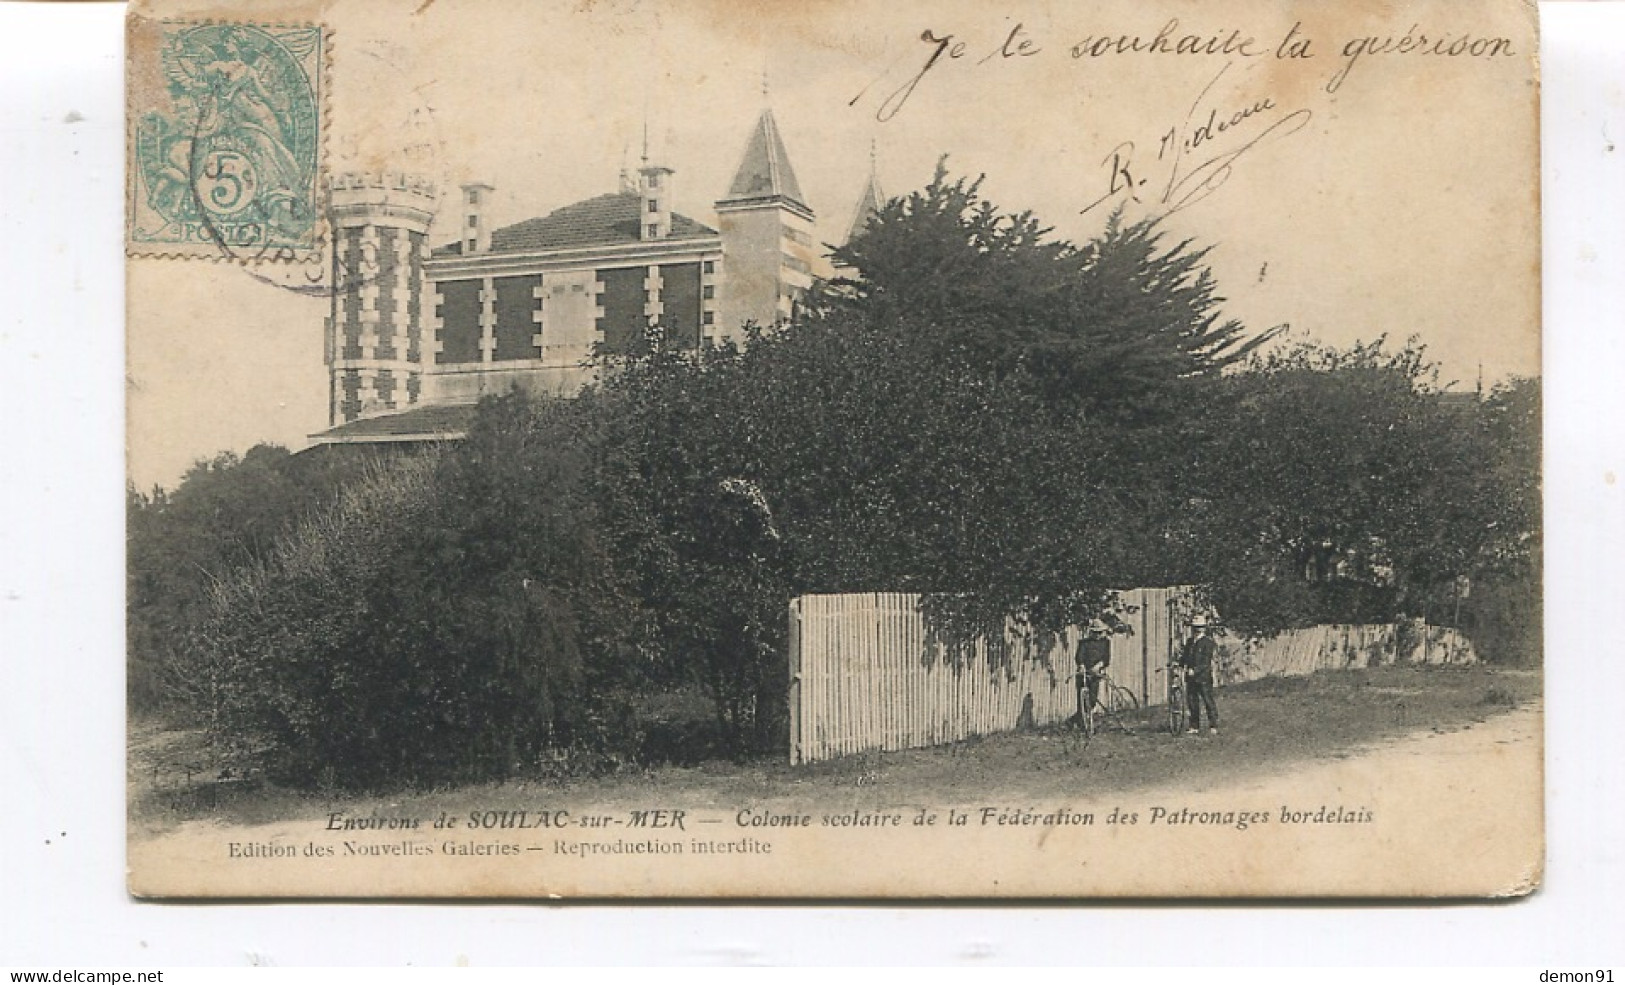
850,449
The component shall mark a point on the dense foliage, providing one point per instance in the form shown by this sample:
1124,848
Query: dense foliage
1347,488
1016,426
453,617
225,512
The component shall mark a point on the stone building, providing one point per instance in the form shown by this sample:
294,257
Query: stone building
417,334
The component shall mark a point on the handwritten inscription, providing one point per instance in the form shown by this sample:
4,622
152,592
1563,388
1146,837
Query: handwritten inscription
1174,40
1225,125
1417,42
1198,154
1168,41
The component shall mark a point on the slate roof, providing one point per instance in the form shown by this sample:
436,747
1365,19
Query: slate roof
870,202
439,422
608,220
765,172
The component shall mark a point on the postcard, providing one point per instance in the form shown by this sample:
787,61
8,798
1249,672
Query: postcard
850,450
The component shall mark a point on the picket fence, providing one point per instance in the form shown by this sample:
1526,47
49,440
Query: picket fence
866,675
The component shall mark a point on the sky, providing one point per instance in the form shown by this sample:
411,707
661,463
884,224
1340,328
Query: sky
1402,203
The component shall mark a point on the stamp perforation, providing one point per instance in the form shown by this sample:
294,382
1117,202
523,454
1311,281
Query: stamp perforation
315,190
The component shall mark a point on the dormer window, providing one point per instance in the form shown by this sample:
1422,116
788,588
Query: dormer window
654,179
473,196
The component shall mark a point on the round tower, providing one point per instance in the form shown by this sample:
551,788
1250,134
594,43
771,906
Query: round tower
375,338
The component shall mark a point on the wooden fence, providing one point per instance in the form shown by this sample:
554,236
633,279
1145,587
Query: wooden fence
1305,651
866,675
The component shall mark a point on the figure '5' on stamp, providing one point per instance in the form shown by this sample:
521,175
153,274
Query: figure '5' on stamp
226,133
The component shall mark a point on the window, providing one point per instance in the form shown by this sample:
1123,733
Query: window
654,179
708,318
469,246
710,266
654,205
653,230
473,221
473,196
708,292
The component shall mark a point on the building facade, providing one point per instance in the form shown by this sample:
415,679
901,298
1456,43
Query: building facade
417,332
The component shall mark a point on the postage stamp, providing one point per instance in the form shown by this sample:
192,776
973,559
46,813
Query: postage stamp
226,141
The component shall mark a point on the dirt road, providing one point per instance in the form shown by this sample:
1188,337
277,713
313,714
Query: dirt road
1448,813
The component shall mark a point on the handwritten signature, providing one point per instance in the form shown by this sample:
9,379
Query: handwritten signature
1191,177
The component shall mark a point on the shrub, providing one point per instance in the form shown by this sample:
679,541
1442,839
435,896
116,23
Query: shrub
446,620
226,512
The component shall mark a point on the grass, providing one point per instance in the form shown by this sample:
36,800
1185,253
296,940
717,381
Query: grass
1267,725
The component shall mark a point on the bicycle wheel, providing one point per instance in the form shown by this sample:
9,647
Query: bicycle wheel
1176,709
1117,704
1120,699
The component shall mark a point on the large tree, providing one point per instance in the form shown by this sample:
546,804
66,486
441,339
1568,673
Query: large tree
1112,327
1344,485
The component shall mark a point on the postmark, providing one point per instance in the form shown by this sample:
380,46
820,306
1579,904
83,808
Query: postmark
227,130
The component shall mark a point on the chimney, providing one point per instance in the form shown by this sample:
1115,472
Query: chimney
654,197
476,230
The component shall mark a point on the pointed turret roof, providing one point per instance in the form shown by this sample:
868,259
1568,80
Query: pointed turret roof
870,202
764,171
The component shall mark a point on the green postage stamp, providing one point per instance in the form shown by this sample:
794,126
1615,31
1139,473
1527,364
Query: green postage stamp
226,140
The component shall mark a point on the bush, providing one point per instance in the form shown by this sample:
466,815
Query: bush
410,636
226,512
1503,618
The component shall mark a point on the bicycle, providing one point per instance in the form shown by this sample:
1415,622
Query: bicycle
1176,700
1113,703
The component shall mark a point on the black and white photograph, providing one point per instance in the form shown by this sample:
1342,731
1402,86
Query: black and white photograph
657,450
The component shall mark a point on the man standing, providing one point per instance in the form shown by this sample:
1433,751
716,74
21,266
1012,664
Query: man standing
1093,656
1197,660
